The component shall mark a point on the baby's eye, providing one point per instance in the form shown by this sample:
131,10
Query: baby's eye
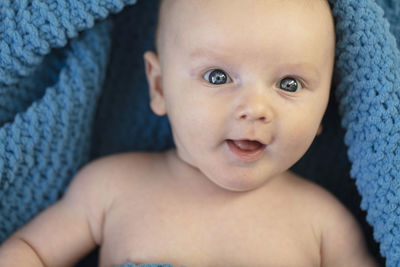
290,84
217,77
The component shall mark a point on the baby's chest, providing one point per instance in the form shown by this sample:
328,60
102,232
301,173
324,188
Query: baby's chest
190,239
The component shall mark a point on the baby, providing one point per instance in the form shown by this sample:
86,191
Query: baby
245,85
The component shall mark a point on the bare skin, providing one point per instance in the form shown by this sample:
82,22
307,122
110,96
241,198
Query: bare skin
284,223
211,202
147,208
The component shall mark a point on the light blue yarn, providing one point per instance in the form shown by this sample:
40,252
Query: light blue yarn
47,101
53,58
368,66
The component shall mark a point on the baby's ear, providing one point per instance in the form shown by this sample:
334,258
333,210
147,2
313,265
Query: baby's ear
153,74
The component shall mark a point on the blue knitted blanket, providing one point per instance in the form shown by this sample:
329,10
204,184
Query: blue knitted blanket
72,89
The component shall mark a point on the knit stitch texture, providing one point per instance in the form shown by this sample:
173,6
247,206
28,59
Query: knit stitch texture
61,86
47,100
368,68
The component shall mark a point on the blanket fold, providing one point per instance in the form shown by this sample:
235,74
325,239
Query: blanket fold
30,29
47,100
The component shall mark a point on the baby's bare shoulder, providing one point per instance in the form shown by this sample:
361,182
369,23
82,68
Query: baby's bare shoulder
120,170
319,203
305,192
341,239
102,182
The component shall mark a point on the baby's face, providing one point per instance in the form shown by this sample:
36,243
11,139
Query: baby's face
245,84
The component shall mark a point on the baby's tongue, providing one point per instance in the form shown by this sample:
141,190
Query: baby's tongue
247,144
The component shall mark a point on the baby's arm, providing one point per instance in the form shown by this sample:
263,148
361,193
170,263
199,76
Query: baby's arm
66,231
343,243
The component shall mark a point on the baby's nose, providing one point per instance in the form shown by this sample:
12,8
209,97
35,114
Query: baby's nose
255,107
252,115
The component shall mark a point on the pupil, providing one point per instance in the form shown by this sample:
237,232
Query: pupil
289,84
217,77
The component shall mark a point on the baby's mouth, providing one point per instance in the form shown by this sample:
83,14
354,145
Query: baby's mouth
247,145
246,150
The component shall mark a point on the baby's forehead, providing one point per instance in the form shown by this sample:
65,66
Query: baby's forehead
166,5
181,21
169,9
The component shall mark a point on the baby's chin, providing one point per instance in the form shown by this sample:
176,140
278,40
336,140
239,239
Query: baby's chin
239,189
234,183
233,177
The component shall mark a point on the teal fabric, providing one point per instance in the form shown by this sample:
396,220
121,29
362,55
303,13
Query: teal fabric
48,98
72,89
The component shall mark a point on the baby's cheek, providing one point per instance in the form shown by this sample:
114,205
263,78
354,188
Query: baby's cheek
297,138
195,124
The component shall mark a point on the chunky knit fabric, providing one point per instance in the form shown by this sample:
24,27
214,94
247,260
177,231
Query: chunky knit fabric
368,71
62,74
47,100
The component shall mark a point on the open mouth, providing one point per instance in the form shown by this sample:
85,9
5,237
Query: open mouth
246,150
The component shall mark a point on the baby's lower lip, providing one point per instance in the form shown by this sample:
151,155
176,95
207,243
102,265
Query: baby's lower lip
252,154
